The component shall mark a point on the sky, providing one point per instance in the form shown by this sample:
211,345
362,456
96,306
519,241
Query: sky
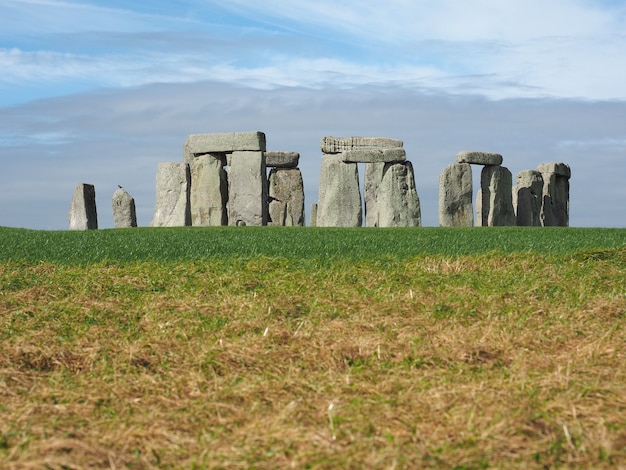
100,92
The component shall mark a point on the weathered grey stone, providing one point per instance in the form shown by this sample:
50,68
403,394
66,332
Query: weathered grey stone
555,204
124,213
373,178
286,196
313,222
527,198
397,201
209,191
247,189
455,196
479,158
172,208
339,203
282,159
559,169
496,183
83,214
226,142
393,155
331,145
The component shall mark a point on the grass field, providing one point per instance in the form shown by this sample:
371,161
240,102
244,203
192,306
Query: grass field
313,348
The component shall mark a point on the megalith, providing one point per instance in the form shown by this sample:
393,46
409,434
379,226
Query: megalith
286,197
172,208
83,214
226,142
124,212
479,158
555,203
496,193
372,180
527,198
334,145
247,189
279,159
455,196
398,204
209,190
339,196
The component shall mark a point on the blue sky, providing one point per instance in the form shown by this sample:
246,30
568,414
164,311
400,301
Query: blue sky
100,92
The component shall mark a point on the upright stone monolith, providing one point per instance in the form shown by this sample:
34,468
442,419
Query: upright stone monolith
286,197
172,208
555,205
339,203
209,190
527,198
398,204
83,214
455,196
497,197
247,189
372,180
124,213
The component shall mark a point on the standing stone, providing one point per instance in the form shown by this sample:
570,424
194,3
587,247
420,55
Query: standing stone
247,189
339,203
286,196
527,198
313,215
373,178
555,204
397,200
209,190
455,196
172,208
124,213
497,197
83,214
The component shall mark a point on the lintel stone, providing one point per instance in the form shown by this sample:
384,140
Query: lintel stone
226,142
391,155
274,159
331,145
479,158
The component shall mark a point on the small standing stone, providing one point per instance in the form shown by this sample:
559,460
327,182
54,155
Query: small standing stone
286,196
455,196
313,222
124,213
83,214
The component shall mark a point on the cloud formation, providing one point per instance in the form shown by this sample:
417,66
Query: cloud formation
98,92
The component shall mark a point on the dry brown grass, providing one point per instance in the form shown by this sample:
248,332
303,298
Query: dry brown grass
472,362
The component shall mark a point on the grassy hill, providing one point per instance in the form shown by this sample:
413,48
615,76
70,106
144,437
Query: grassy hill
313,348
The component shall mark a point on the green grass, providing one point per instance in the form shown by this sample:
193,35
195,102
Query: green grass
170,245
313,348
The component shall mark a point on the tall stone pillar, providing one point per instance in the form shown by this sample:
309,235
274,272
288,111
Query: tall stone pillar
209,190
172,208
527,198
398,204
455,196
339,196
373,178
247,189
83,214
555,205
497,197
124,212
